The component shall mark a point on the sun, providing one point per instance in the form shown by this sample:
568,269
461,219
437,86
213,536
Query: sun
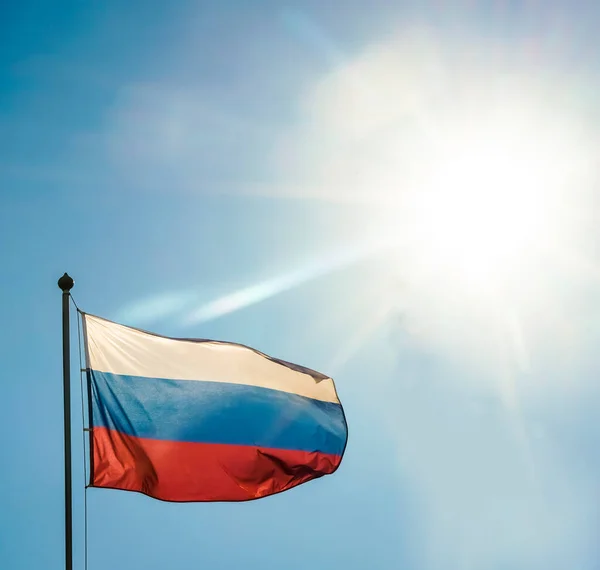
484,231
488,204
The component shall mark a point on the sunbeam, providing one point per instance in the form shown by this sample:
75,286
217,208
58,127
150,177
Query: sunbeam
345,353
268,288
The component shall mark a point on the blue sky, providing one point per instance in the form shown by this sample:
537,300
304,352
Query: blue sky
234,170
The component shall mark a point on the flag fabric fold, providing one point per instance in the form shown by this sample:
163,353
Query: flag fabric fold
199,420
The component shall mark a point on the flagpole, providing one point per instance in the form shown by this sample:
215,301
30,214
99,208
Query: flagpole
65,283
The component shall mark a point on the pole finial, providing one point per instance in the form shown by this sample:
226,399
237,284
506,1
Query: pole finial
66,283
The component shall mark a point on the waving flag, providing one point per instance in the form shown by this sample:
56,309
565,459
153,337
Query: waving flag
201,420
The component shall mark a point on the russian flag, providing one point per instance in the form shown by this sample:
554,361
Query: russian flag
201,420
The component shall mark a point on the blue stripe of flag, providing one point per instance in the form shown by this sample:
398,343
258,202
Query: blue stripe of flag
216,412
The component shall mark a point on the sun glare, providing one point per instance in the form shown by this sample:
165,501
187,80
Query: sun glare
485,227
488,205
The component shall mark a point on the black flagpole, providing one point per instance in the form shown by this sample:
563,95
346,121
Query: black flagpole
66,283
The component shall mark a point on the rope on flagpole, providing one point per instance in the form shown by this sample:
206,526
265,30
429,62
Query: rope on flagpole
83,433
